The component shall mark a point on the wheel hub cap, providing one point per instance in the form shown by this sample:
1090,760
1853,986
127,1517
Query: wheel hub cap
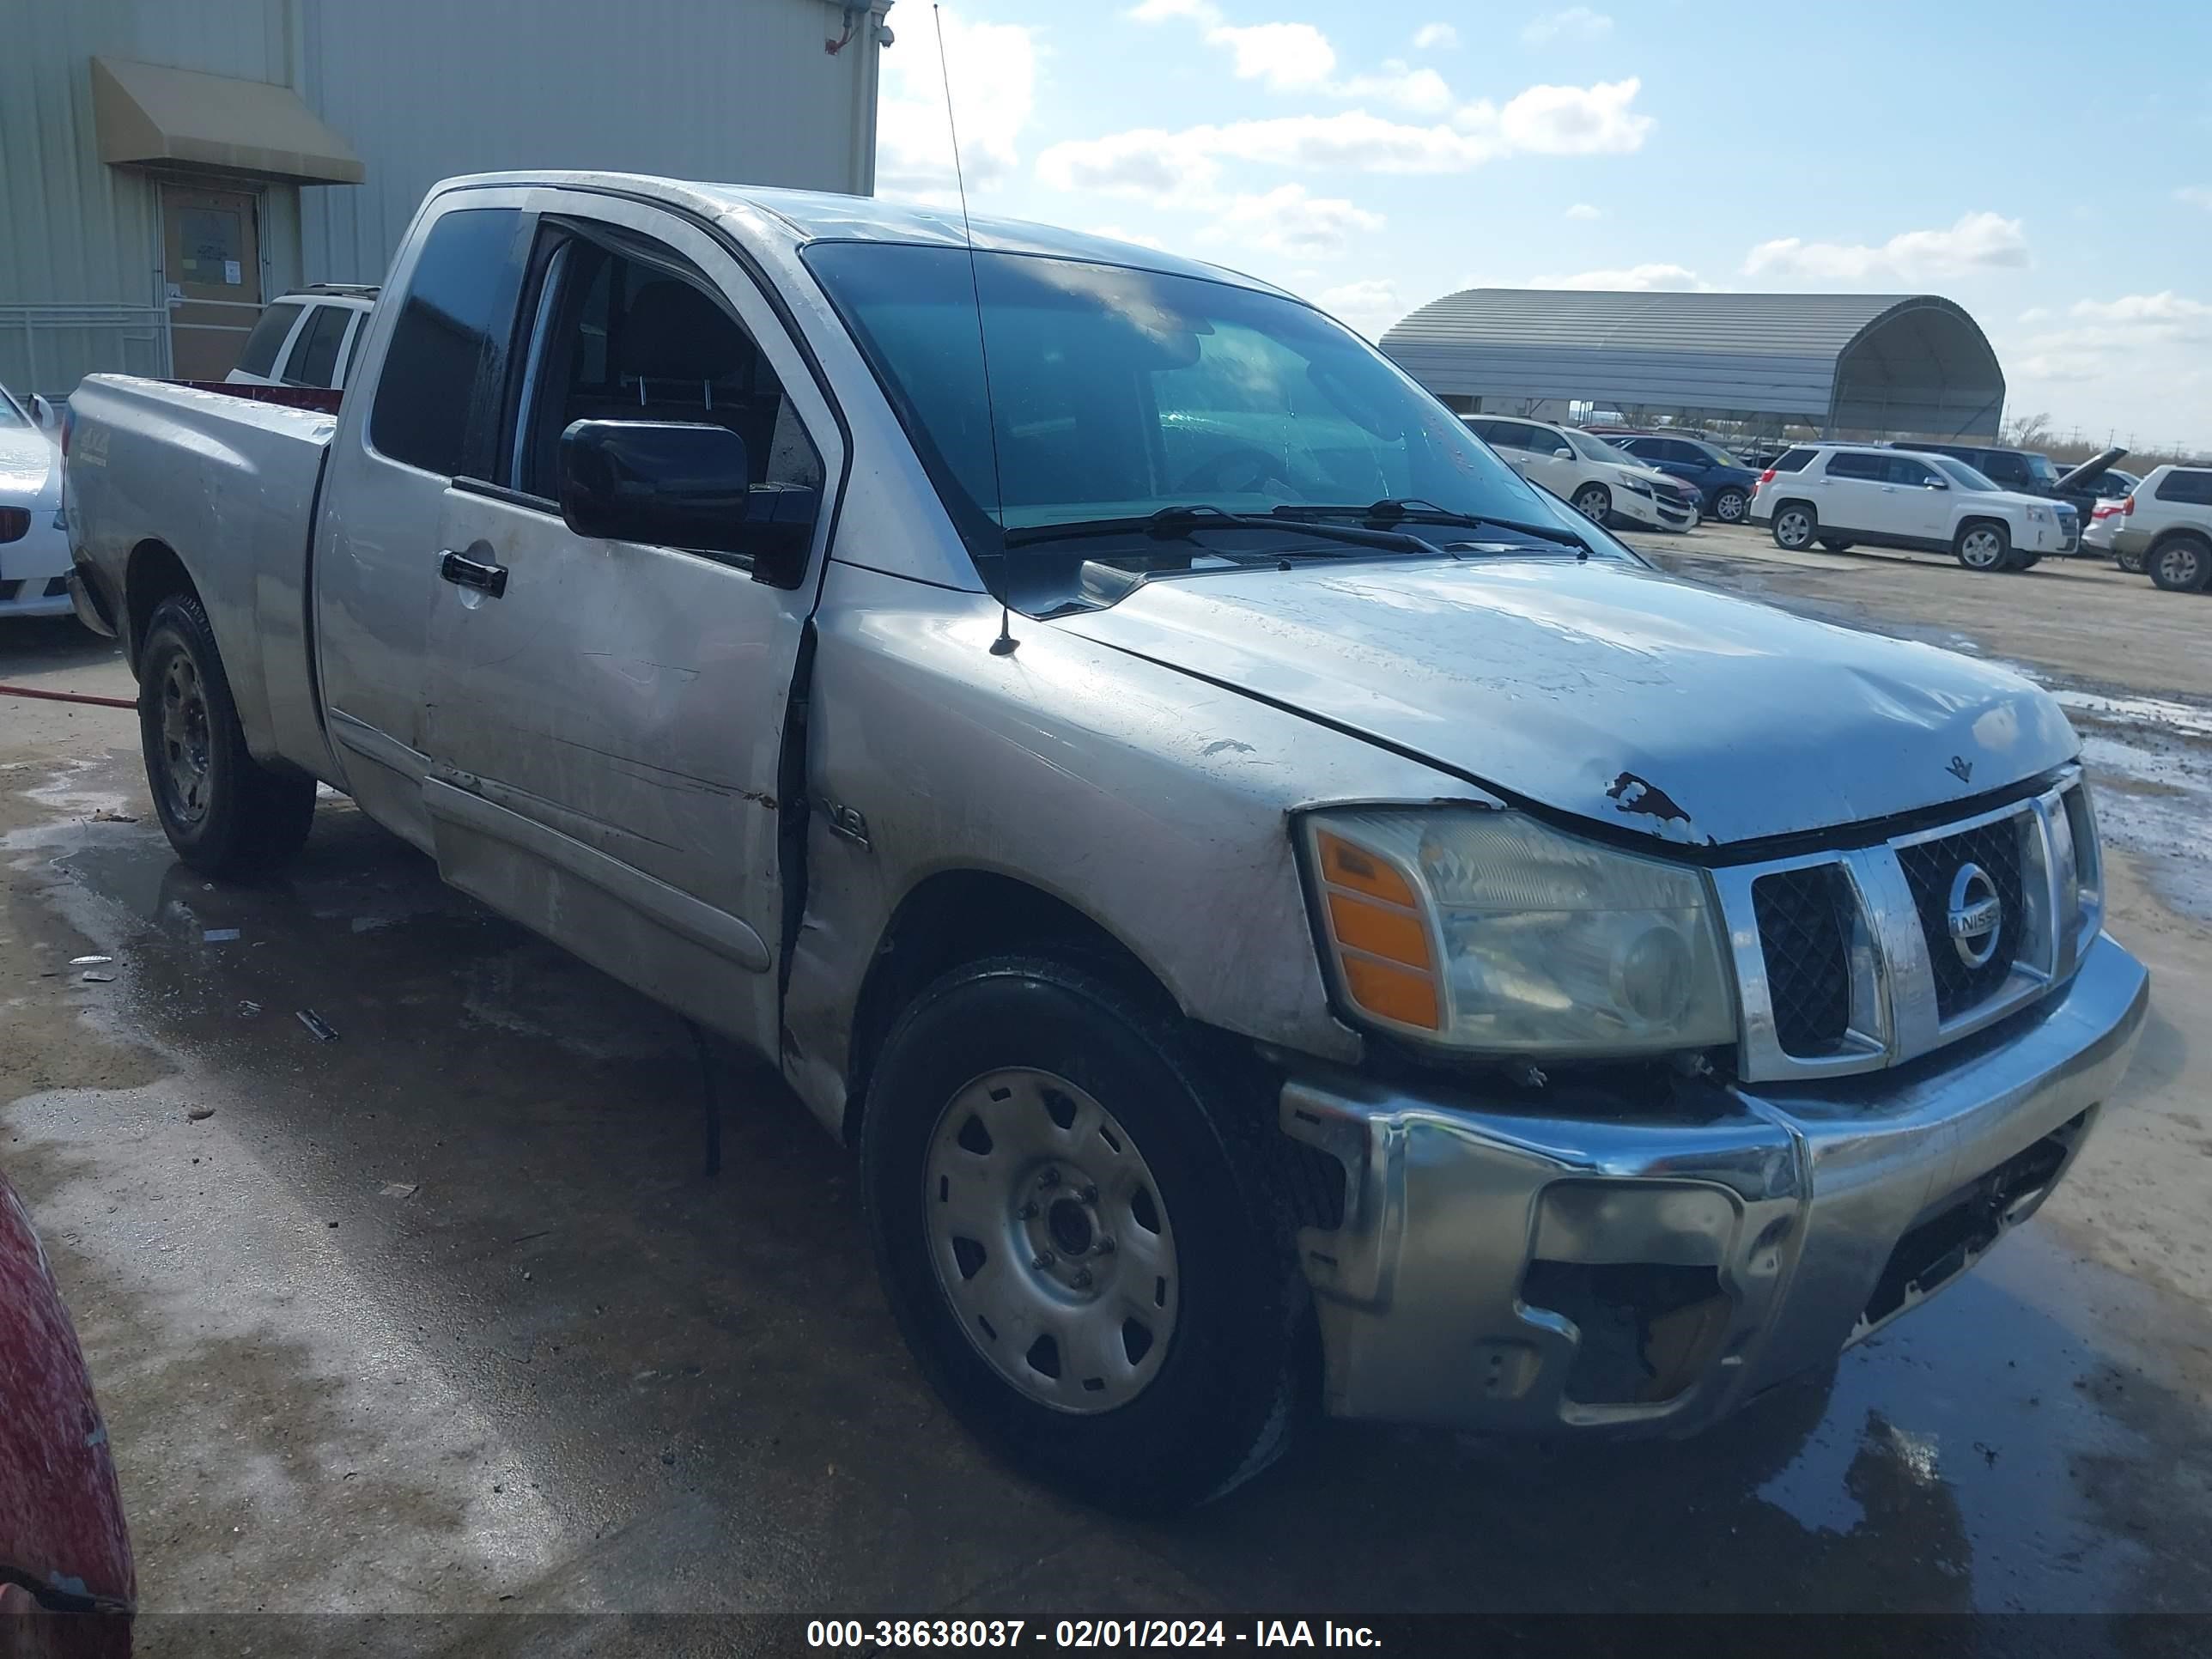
1049,1240
185,741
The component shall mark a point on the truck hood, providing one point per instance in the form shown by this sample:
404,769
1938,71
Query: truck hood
1607,690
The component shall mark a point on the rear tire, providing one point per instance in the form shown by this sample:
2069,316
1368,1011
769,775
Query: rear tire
225,814
1795,524
1730,505
1982,546
2131,563
964,1129
2182,564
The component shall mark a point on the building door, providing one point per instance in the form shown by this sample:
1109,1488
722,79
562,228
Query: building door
211,262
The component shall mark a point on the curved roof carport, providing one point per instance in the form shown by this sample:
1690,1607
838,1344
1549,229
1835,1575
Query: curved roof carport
1839,362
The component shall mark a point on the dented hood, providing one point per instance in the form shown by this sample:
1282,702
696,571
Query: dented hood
1608,690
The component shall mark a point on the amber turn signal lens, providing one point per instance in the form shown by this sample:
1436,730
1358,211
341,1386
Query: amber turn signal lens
1381,942
1343,865
1394,994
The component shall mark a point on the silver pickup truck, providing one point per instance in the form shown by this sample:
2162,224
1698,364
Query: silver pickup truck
1289,914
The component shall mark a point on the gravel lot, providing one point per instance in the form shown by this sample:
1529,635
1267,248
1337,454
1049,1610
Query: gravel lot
441,1317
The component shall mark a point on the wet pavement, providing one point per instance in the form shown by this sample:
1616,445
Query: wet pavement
442,1314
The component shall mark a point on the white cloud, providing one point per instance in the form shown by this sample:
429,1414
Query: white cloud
2195,195
2166,313
1435,37
1547,120
1158,11
1147,163
1420,90
1287,220
1288,57
1638,278
1979,242
1575,23
1583,211
2036,314
993,68
1369,306
2132,338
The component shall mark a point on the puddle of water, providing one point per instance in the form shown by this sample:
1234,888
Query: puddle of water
2179,717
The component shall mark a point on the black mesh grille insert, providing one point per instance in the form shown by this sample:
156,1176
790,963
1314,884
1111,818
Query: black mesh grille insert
1804,931
1930,867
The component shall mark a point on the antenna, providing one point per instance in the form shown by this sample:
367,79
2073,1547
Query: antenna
1004,644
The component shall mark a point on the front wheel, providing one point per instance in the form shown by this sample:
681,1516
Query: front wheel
2182,565
1730,505
1983,547
225,813
1075,1229
1595,502
1794,527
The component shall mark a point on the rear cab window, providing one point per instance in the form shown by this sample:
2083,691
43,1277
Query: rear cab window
1793,460
259,356
438,391
315,354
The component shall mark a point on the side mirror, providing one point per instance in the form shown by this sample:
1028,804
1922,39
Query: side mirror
1936,484
1563,453
683,484
43,413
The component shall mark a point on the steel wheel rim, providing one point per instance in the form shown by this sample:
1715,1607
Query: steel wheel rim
1793,529
1050,1241
1728,509
185,742
1981,549
1591,502
2177,565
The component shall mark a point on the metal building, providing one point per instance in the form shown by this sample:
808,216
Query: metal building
168,165
1837,363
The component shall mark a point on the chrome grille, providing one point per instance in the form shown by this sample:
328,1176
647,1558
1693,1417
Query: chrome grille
1846,961
1930,868
1804,936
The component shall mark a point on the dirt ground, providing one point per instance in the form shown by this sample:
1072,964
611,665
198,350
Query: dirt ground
442,1316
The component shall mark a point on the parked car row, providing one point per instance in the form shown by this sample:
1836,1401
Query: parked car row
1834,495
1598,479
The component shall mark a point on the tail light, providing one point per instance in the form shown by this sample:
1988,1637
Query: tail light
1767,477
2128,507
15,523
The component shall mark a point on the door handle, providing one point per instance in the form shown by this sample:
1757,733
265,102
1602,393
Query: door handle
465,572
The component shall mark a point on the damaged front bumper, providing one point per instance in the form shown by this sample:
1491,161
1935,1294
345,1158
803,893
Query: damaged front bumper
1535,1273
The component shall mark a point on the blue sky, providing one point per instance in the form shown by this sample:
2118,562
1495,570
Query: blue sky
2048,170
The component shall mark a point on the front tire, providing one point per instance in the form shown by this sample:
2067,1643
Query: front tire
1835,544
1730,505
2182,564
225,814
1595,502
1794,527
1074,1223
1982,546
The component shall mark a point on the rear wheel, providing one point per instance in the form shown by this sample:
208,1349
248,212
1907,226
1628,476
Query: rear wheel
1730,505
1794,527
2182,564
1982,546
1594,501
1079,1237
224,813
2130,561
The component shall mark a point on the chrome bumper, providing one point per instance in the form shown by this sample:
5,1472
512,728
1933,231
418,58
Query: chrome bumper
1713,1258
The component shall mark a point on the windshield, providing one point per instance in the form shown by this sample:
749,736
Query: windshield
1596,449
1959,472
1114,393
10,414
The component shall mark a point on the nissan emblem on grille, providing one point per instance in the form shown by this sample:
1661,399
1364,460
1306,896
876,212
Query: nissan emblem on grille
1976,916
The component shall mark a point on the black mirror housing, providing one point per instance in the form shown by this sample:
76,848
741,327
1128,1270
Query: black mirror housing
683,484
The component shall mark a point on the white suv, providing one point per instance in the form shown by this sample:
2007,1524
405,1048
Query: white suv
1598,481
305,338
2165,526
1836,495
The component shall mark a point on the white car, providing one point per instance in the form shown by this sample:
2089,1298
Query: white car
1834,495
2165,527
2099,534
305,338
1598,481
34,556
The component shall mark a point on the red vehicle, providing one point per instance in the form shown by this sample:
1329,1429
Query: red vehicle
67,1585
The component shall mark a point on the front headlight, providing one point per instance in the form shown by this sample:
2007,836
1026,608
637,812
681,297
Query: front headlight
1488,931
2039,516
1637,485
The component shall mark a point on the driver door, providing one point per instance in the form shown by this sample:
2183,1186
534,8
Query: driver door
606,719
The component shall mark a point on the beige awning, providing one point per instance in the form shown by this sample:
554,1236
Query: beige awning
149,115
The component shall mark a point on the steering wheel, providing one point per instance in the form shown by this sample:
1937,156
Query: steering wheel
1222,473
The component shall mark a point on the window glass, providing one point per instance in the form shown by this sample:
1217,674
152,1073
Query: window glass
11,415
2007,469
1792,460
1591,449
626,339
1857,463
1515,435
1903,470
2183,485
259,356
315,353
1959,473
2041,469
437,393
1114,392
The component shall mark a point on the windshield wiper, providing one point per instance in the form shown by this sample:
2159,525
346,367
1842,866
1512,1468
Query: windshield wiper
1406,510
1176,523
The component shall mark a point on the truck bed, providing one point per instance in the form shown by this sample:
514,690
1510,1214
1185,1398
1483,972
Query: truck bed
224,480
